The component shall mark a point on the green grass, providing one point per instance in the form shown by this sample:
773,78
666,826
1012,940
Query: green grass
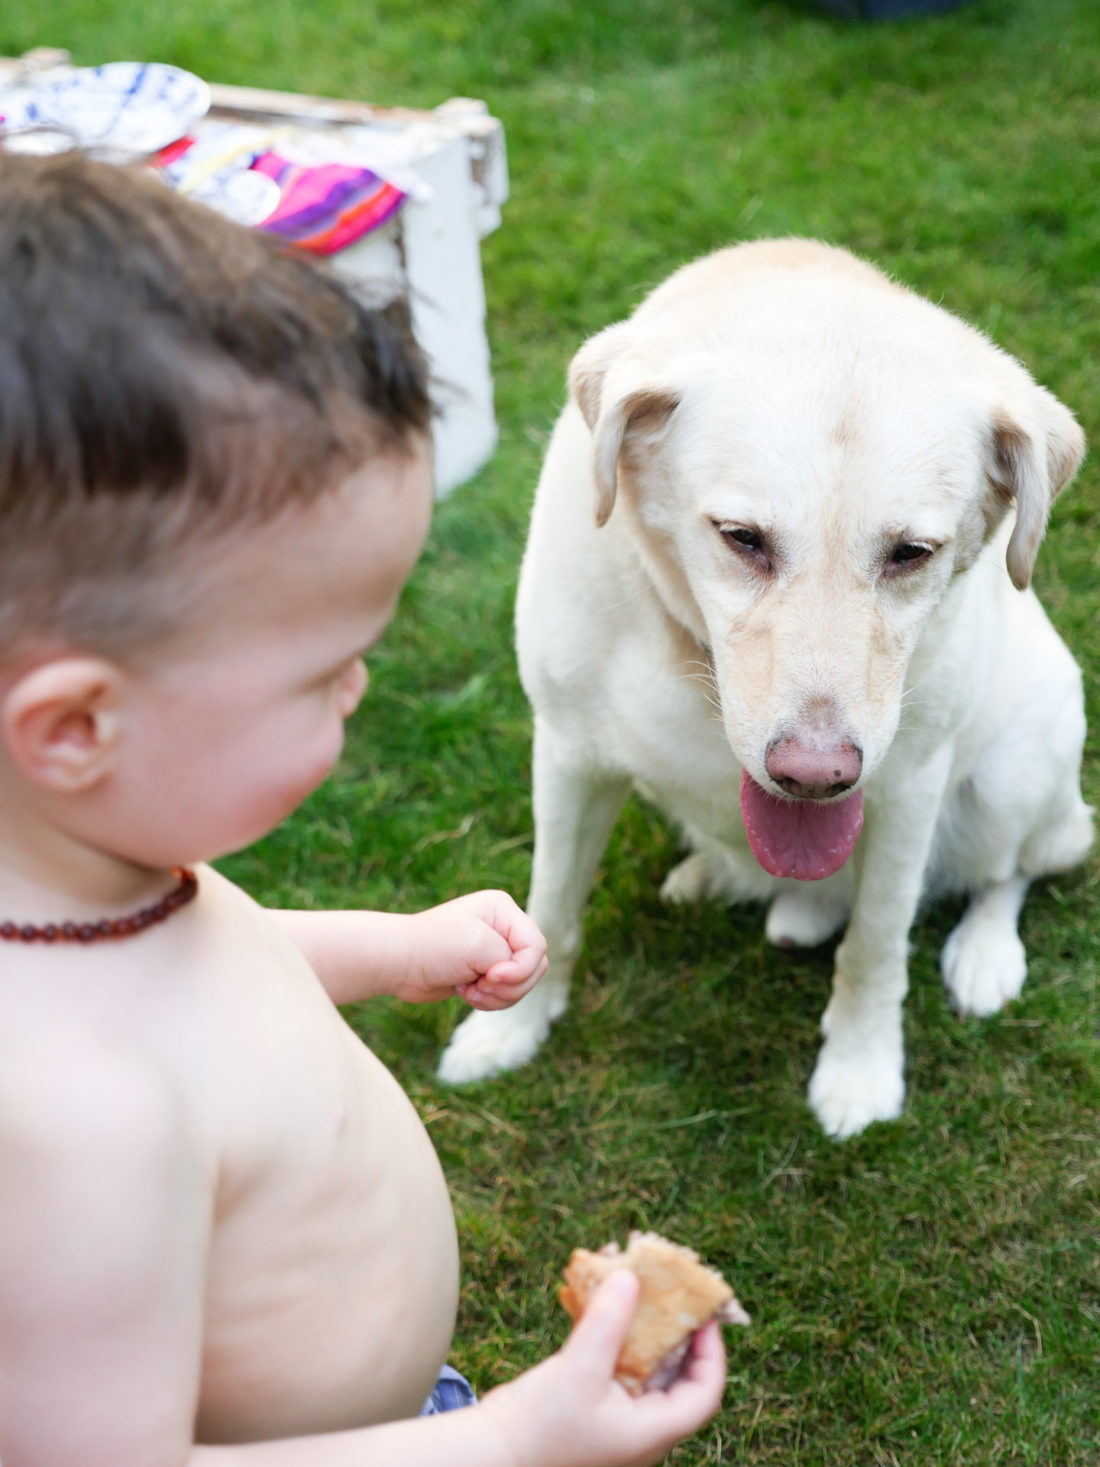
929,1292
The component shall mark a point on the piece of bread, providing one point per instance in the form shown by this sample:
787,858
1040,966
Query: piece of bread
678,1296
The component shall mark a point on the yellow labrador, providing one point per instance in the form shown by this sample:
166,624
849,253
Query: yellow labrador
777,578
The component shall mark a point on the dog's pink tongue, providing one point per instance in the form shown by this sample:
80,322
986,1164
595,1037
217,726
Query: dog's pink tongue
805,839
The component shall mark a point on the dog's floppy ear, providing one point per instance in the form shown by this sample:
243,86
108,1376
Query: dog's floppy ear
1035,451
590,366
610,402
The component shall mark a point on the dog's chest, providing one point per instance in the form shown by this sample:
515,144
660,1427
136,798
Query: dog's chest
674,745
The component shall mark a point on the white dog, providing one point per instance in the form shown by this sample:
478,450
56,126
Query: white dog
766,584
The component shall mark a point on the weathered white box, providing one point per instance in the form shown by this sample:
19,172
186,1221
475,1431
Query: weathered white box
430,250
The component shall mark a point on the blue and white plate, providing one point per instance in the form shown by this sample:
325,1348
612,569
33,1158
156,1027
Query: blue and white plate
124,107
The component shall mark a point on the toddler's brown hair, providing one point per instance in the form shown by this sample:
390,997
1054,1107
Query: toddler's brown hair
166,376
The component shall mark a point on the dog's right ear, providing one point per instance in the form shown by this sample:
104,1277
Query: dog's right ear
610,404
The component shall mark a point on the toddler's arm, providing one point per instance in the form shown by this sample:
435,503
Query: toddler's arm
482,947
566,1412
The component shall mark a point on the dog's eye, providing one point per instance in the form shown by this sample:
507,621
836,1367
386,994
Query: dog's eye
907,556
749,538
746,542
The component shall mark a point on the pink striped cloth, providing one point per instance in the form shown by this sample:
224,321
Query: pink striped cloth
327,206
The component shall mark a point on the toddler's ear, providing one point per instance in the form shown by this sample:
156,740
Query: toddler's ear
60,722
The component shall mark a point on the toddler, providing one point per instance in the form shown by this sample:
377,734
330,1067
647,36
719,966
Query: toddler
225,1237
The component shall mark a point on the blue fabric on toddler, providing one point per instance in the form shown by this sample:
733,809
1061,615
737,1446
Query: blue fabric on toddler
452,1392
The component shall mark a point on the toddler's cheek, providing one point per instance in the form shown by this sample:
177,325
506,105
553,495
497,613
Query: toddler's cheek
313,775
296,780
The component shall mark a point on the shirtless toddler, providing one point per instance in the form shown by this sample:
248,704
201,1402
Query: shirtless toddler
225,1237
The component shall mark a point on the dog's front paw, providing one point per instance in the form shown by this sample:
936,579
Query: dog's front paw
848,1092
489,1043
984,966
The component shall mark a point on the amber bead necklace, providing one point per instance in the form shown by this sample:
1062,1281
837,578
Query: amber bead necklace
187,884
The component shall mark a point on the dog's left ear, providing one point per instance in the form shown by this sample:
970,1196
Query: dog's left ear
613,402
1035,449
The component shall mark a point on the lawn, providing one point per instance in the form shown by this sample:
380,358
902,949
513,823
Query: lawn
930,1291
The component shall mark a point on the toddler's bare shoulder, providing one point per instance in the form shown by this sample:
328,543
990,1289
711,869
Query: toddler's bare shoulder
74,1095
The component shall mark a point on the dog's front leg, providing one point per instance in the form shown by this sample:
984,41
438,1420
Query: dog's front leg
575,808
859,1075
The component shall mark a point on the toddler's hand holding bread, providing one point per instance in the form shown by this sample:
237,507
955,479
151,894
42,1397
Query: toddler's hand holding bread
678,1296
642,1369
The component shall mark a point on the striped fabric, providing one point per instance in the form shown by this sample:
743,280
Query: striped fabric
325,207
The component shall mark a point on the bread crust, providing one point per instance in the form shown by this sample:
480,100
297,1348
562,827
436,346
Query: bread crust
678,1296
